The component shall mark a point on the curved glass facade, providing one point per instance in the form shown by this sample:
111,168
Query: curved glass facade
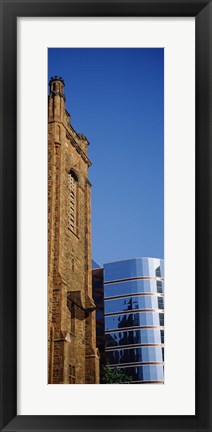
134,318
135,267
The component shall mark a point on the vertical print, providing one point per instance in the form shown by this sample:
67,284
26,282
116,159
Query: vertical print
106,216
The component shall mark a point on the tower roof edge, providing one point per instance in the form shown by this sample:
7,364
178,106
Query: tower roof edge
57,78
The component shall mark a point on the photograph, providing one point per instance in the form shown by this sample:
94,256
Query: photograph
106,216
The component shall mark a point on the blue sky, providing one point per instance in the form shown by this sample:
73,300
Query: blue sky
116,98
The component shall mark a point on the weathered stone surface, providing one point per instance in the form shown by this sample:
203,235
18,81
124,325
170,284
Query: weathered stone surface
72,352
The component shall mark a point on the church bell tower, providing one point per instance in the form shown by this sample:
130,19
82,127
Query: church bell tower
72,354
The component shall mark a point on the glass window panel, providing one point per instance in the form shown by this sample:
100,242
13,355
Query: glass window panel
161,317
160,286
132,320
133,287
145,373
131,337
160,303
152,354
135,355
130,303
158,272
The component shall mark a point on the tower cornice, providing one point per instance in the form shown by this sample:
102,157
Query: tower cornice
74,142
78,148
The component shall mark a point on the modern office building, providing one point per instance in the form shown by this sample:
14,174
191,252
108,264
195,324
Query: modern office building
134,318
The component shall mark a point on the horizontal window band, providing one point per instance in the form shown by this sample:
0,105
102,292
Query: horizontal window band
132,346
130,365
117,330
147,382
134,278
130,311
137,294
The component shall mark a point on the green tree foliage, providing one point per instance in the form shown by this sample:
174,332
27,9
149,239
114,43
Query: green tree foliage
114,376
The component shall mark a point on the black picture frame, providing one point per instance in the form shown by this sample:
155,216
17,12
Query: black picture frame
202,11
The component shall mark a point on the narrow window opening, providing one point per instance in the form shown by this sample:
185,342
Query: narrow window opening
73,264
158,272
72,213
58,133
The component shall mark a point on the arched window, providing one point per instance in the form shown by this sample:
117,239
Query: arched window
72,215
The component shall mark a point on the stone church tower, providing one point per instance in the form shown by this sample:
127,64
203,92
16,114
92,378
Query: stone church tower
72,354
